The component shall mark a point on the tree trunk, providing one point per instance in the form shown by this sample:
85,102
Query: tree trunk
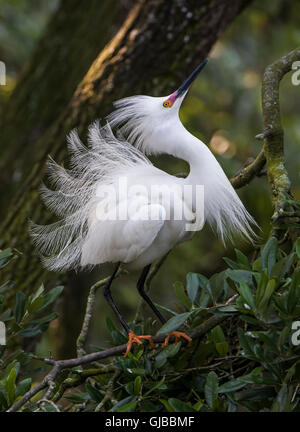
75,35
158,45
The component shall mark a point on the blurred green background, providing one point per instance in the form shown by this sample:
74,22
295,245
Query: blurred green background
223,109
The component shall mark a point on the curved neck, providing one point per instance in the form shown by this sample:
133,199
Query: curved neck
222,207
183,145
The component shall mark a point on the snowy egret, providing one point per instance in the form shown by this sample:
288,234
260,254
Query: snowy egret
89,197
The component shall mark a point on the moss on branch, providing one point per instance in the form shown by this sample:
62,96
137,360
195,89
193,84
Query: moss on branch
273,132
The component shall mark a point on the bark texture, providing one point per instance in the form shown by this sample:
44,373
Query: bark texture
75,35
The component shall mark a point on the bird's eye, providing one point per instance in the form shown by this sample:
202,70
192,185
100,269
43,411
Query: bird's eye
166,104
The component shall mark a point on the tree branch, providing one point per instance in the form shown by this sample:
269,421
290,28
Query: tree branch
273,132
60,365
247,173
88,313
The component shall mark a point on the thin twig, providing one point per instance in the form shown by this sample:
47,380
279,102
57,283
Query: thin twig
44,401
51,376
246,174
109,391
88,313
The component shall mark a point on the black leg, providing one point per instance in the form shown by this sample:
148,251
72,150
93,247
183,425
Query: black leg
107,295
140,287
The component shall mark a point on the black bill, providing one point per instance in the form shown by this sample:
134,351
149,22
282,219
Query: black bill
191,78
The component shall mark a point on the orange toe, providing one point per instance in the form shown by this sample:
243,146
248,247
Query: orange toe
177,335
133,338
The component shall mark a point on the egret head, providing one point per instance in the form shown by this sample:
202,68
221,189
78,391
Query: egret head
143,118
180,93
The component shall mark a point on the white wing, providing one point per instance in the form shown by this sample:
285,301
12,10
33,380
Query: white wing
74,199
123,240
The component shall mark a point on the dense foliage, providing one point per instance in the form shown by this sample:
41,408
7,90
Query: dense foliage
247,363
250,361
28,319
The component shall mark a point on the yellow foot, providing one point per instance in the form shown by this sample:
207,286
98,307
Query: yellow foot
177,335
133,338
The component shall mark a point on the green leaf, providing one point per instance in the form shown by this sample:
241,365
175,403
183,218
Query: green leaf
298,247
10,386
294,291
242,259
240,276
231,264
256,379
192,286
227,309
158,385
211,388
256,265
94,393
247,295
174,323
35,305
284,336
247,344
137,385
270,288
6,315
137,371
6,253
281,403
52,295
168,352
3,400
269,253
6,287
165,309
198,405
181,295
126,404
204,295
282,267
19,307
217,286
31,331
5,257
179,406
262,283
38,292
231,386
46,319
128,407
217,334
166,405
13,365
78,397
222,348
23,387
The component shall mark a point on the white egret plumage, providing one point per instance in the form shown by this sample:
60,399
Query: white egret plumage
91,188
